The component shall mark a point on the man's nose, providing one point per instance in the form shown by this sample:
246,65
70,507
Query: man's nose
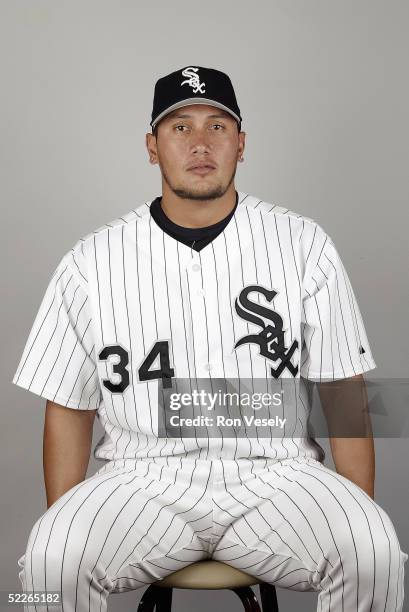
200,140
201,147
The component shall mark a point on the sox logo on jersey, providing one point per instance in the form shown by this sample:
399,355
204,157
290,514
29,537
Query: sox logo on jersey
271,338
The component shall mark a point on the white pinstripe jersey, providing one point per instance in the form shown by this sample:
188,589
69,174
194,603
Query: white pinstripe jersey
128,294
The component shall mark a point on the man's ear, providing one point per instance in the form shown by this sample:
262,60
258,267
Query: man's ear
242,144
150,140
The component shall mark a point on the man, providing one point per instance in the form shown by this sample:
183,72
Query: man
200,284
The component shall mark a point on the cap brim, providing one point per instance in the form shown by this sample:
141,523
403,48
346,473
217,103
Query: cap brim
190,101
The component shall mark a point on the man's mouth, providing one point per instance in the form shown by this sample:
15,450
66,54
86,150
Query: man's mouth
201,169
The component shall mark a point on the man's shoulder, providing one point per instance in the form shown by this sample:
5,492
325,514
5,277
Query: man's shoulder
267,207
302,233
84,248
113,225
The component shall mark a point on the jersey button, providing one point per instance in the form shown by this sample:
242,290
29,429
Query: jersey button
200,292
196,267
208,366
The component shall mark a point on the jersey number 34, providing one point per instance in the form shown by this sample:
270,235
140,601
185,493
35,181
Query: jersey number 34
118,359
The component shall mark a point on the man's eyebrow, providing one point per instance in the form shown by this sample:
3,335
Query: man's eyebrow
186,116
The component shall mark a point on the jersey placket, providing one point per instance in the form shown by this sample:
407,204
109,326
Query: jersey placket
203,359
197,295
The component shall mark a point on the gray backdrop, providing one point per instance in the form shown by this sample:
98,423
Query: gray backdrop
323,93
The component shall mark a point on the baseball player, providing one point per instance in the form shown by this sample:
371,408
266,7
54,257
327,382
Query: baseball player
200,283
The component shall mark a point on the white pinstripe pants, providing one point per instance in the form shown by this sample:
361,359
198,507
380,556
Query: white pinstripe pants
294,523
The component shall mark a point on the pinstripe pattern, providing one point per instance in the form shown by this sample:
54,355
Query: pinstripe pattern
128,283
275,521
137,523
58,358
265,505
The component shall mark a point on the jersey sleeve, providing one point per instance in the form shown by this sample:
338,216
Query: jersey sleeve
335,343
58,360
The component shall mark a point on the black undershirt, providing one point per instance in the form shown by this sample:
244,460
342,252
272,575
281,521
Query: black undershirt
195,237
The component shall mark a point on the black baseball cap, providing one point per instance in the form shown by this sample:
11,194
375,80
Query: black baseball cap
194,85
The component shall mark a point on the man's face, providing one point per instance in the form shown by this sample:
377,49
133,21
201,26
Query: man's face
197,134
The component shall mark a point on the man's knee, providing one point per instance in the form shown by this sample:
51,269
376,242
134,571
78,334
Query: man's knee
51,555
372,548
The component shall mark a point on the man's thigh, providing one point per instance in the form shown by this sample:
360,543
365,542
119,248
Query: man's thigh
302,526
121,529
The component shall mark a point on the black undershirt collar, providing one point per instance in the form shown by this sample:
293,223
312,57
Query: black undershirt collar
196,237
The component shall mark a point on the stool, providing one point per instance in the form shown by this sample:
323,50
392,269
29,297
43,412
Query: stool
209,574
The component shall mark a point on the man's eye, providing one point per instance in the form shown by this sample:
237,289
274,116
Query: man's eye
184,126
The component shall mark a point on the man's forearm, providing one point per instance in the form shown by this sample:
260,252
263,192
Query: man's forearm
66,448
345,405
354,458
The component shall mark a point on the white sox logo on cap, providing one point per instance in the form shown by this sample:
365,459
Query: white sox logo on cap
193,80
204,85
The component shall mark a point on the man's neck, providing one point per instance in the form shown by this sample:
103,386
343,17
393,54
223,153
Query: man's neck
197,213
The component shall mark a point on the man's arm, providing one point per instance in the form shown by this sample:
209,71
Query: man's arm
345,405
66,448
